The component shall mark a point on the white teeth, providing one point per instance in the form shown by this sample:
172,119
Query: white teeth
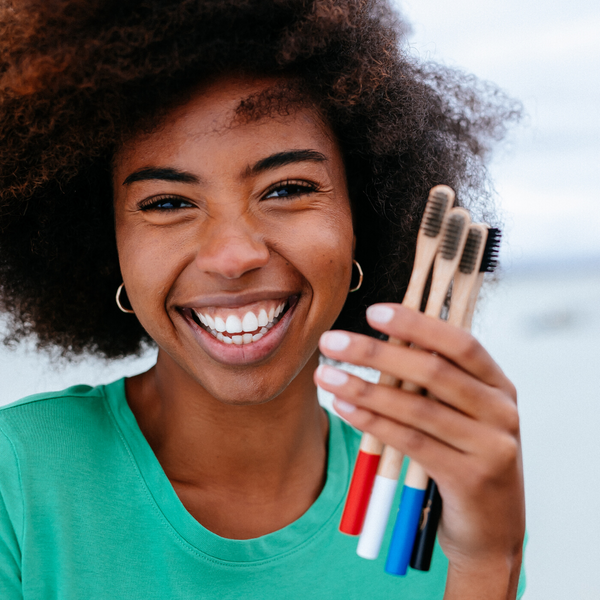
250,322
220,324
217,326
263,318
233,325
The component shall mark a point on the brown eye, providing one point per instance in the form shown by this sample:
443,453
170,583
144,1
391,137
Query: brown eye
290,188
166,203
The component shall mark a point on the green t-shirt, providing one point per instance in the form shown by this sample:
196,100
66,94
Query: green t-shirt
86,511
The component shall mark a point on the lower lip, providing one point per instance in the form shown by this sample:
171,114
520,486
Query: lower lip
243,354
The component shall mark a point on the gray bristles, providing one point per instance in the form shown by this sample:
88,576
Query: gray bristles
490,253
469,255
454,228
434,214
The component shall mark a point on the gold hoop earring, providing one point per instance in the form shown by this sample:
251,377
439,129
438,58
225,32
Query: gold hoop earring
360,276
118,299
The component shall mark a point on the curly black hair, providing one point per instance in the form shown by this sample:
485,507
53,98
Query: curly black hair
77,77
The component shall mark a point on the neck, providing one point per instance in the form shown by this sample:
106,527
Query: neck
264,460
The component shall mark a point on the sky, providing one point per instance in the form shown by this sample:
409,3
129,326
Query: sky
547,55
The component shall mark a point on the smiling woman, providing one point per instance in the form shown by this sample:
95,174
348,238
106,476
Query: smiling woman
222,165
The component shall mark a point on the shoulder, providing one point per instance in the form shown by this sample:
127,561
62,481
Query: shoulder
45,398
56,422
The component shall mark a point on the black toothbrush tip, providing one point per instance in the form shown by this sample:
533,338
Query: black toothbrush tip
489,262
452,234
435,209
469,255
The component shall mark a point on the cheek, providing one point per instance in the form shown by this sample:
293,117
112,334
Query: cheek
324,256
149,265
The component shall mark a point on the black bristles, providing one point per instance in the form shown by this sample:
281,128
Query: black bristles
489,262
469,255
434,214
454,228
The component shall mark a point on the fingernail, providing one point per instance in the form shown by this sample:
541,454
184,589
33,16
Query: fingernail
342,406
380,313
335,340
331,375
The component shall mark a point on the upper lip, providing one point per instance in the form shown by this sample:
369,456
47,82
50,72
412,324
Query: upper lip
236,300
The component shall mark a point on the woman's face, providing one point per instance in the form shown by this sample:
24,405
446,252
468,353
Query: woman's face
235,240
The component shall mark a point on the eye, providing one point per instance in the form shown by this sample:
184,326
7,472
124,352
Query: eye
165,203
285,189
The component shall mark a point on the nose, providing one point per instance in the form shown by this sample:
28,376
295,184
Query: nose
232,249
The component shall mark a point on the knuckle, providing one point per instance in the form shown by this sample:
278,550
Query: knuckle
507,451
414,441
369,421
363,389
436,369
421,410
511,390
372,348
486,474
468,348
512,421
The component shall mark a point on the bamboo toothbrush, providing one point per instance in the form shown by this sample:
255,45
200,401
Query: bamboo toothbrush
432,504
454,233
409,513
440,199
488,265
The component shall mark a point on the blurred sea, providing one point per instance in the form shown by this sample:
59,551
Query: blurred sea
542,325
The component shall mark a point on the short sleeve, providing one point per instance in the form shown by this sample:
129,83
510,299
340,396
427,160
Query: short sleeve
11,521
522,577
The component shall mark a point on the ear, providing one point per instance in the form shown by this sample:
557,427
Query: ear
353,245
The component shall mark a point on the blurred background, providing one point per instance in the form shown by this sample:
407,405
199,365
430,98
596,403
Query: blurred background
541,321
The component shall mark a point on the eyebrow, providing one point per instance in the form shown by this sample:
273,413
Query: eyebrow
285,158
274,161
161,173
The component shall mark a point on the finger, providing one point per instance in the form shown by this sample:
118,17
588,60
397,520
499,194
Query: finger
420,412
435,335
445,380
438,459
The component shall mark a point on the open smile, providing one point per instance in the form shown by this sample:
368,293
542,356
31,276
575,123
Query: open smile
241,326
241,334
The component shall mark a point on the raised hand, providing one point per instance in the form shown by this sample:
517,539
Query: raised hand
468,441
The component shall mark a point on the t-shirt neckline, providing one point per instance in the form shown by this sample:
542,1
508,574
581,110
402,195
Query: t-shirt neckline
265,548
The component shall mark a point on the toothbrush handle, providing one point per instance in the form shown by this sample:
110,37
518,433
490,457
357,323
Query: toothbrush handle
430,518
359,492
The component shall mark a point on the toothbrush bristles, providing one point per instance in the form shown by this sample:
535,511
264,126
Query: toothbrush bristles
434,214
469,255
452,234
489,262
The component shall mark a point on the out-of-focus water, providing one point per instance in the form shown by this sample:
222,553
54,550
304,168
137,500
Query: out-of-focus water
543,328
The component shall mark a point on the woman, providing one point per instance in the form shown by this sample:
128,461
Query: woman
219,165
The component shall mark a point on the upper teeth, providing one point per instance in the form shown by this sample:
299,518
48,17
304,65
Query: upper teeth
234,325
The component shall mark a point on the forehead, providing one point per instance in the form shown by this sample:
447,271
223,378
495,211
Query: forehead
230,110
